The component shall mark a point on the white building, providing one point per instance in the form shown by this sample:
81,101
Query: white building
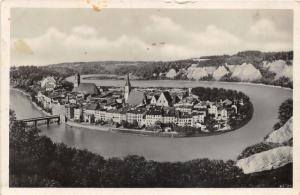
78,114
198,118
154,99
48,83
89,113
164,99
222,114
213,109
100,115
184,121
152,117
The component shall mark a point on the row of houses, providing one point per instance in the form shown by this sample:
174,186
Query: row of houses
87,104
142,116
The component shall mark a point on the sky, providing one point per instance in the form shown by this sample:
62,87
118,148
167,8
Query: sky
41,36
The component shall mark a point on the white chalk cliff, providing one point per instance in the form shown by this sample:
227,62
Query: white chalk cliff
280,68
267,160
171,74
283,134
274,158
246,72
220,72
196,73
210,69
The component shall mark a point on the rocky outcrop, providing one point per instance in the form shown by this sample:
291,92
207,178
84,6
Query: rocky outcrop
286,72
196,73
171,74
231,67
210,69
271,158
280,68
266,160
220,72
246,72
283,134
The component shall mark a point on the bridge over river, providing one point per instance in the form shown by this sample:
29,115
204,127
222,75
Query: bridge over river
47,119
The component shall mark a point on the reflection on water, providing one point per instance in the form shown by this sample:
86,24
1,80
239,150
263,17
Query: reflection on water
266,101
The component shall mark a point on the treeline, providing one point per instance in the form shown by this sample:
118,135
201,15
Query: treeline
35,161
285,112
253,57
216,94
153,70
244,106
27,79
30,75
158,69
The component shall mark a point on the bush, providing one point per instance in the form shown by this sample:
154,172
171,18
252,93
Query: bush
257,148
35,161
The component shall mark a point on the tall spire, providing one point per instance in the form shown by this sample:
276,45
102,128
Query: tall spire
127,81
127,88
77,80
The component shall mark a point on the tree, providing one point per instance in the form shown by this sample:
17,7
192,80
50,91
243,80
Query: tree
124,124
210,122
285,112
135,124
67,85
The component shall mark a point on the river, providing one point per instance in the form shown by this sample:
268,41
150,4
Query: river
265,99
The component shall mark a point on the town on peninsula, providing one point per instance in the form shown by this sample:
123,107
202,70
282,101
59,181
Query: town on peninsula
175,112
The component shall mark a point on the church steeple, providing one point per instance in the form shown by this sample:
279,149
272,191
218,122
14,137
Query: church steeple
127,88
77,80
127,81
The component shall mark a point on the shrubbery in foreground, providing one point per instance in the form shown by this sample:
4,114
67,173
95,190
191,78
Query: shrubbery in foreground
35,161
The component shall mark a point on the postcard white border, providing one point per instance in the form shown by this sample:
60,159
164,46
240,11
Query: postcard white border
106,4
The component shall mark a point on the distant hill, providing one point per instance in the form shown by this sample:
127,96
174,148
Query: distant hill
273,68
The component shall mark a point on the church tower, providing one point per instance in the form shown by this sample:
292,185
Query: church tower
77,80
127,88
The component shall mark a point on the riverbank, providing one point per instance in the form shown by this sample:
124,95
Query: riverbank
32,102
86,78
88,126
142,132
122,130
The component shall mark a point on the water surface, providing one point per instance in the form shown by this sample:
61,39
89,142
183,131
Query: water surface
266,101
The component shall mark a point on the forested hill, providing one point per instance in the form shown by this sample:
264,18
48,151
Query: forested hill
273,68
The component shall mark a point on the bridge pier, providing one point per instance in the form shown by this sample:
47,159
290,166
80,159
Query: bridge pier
48,122
35,123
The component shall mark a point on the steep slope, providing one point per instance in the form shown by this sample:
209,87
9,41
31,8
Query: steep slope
246,72
266,160
271,153
220,72
280,68
196,73
210,69
283,134
171,74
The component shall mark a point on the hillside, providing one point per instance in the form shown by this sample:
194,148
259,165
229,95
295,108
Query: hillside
276,150
274,68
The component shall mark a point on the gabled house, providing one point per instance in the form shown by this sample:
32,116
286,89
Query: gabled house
90,112
165,99
154,99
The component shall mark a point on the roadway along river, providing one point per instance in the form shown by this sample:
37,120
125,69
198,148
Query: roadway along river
266,101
